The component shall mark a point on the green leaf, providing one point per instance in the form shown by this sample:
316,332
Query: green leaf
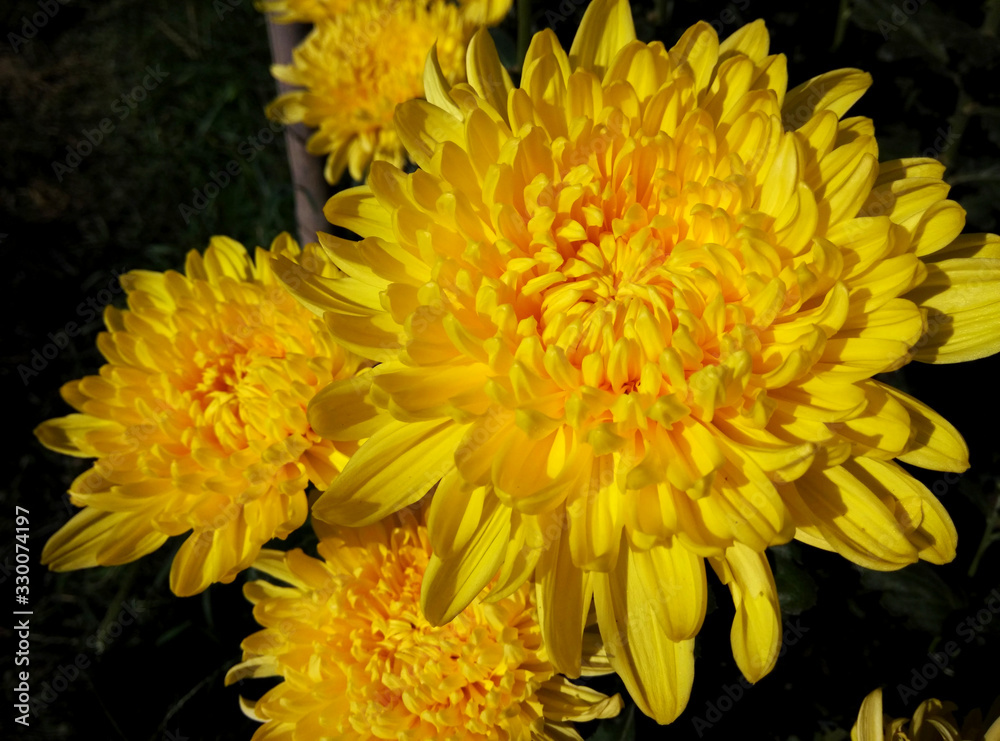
916,593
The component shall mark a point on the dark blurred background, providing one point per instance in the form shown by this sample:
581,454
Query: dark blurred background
179,88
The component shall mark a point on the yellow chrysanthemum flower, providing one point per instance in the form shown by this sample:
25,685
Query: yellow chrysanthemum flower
360,661
198,420
933,720
356,67
628,317
319,11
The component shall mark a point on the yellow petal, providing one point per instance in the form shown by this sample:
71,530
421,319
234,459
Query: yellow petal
674,579
523,552
924,519
834,91
969,245
751,39
436,86
594,509
563,700
657,672
258,666
226,257
196,564
962,298
454,514
358,210
75,544
423,127
563,598
934,442
375,336
698,49
393,469
606,28
870,725
756,631
68,435
450,584
343,410
486,74
132,538
852,519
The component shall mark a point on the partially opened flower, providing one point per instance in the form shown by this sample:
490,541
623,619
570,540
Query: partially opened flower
933,720
357,66
198,419
629,317
358,660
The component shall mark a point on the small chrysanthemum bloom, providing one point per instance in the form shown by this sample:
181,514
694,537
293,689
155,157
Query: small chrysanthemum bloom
360,661
933,720
355,68
628,317
198,419
480,12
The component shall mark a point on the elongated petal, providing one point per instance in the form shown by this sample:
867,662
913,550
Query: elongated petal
962,297
343,410
657,671
836,91
402,460
756,632
870,724
564,594
934,442
75,544
605,29
564,700
852,519
674,580
450,584
69,435
487,75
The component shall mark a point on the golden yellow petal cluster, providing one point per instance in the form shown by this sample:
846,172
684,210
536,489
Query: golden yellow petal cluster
359,660
628,317
357,65
933,720
198,419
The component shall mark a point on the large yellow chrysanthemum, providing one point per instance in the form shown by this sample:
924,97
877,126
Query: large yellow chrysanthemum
628,317
933,720
356,67
198,420
360,661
